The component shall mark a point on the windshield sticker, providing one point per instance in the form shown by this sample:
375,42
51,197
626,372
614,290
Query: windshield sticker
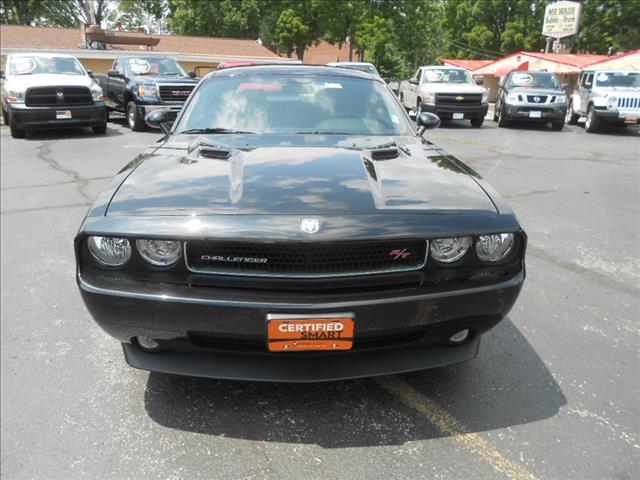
23,65
394,119
434,75
139,66
332,85
603,77
521,79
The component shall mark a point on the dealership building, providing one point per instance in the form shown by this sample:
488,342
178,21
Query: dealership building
97,48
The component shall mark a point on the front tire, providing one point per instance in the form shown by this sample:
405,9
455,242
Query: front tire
572,117
557,126
592,125
136,123
100,129
502,121
477,122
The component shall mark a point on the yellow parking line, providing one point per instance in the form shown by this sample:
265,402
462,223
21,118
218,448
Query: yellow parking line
447,424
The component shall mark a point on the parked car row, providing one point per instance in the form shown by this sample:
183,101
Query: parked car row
526,96
46,90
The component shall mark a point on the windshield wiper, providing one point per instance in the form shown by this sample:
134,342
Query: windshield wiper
212,130
317,132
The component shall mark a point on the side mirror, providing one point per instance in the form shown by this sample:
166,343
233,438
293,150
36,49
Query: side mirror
479,81
192,74
413,81
386,79
114,74
427,121
162,119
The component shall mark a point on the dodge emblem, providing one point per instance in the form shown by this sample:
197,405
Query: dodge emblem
310,225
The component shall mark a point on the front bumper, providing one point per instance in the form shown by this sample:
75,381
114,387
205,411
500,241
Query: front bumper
617,116
548,112
213,333
144,110
42,117
446,112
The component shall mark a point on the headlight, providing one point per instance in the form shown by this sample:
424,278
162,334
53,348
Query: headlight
561,99
15,96
512,98
161,253
447,250
491,248
428,97
110,251
485,97
148,91
612,102
97,94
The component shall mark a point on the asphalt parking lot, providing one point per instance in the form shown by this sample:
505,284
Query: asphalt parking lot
553,394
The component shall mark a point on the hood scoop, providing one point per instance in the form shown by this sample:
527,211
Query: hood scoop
199,149
385,153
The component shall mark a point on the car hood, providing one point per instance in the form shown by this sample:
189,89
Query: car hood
297,174
536,91
451,88
22,82
163,79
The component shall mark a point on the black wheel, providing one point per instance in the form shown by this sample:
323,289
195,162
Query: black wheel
106,115
136,123
592,125
16,132
100,129
502,121
477,122
557,126
572,117
495,113
418,107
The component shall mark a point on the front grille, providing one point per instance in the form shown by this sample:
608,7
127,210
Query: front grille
541,98
175,93
629,103
58,96
305,259
455,99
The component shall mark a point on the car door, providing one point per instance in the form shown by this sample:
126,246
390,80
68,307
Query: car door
501,93
117,85
413,88
585,91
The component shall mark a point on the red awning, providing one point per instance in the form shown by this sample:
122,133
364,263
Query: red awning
504,69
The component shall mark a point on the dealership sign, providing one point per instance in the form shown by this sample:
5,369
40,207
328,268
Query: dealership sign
561,19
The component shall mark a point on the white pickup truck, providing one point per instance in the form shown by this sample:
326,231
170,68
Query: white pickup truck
50,90
449,92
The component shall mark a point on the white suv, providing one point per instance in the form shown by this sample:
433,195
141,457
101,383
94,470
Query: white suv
606,97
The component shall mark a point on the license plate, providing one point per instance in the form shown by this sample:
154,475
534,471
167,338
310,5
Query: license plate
296,333
458,116
63,114
535,114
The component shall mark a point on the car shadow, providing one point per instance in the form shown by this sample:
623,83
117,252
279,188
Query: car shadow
69,132
508,384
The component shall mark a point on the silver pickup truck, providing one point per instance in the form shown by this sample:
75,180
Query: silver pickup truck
449,92
609,97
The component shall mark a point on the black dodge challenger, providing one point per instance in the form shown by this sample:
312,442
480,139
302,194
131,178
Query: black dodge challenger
293,225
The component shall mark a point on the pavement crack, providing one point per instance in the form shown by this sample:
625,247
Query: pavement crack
587,272
44,153
531,192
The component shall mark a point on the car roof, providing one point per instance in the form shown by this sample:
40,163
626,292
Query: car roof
292,70
337,64
440,67
43,55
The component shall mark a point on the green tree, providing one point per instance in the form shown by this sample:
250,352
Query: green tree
133,14
491,28
608,23
218,18
20,12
